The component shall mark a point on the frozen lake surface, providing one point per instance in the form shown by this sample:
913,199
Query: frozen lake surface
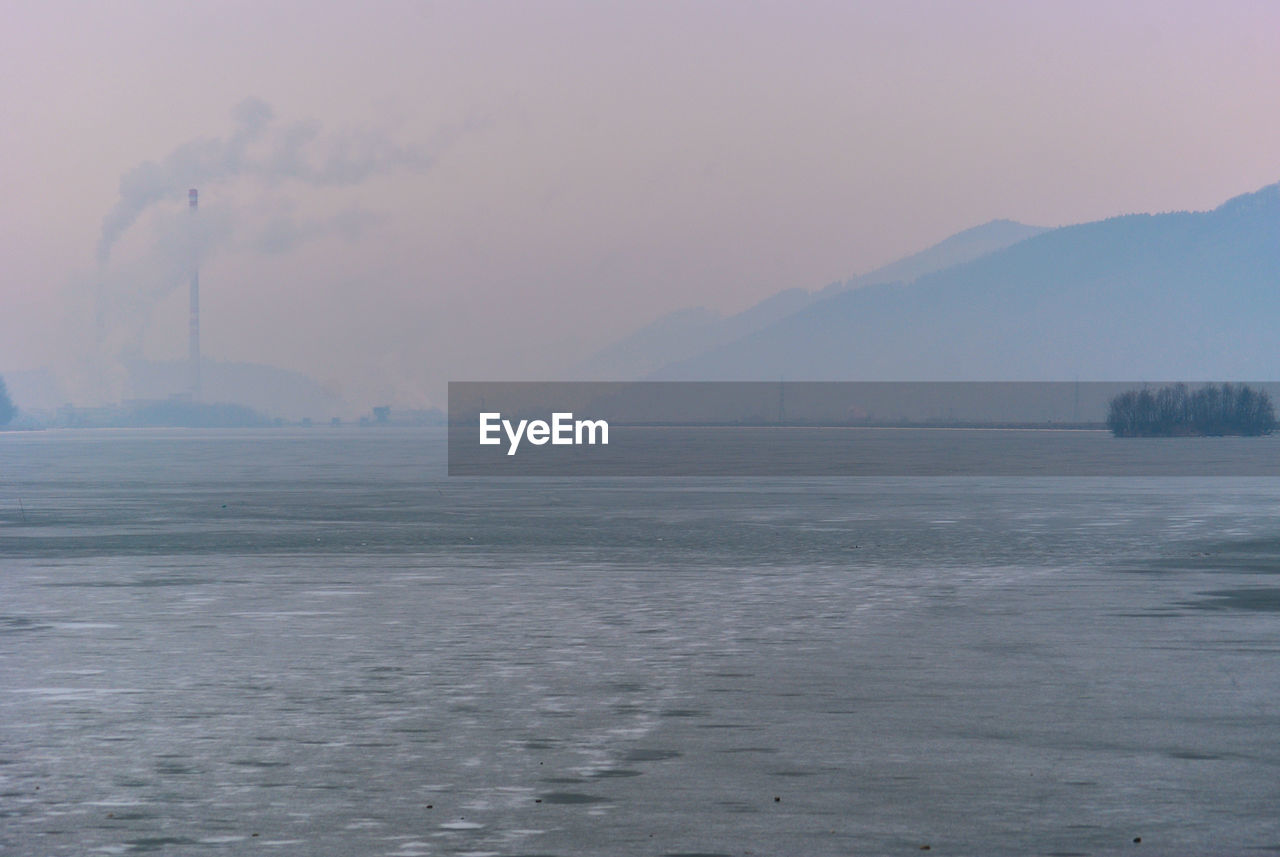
313,642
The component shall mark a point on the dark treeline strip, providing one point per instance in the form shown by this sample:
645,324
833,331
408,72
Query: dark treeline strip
1175,411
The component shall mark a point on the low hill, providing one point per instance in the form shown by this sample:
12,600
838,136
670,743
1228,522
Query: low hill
266,389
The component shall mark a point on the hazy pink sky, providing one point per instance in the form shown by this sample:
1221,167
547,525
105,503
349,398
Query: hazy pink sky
483,190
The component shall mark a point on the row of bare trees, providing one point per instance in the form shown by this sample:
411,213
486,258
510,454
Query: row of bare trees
1176,411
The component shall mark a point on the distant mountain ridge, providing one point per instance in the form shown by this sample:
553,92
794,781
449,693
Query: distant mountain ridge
685,333
1185,295
959,248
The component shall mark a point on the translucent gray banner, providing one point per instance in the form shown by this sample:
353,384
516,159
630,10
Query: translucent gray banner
825,429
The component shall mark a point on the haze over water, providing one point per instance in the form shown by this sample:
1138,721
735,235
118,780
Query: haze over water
449,191
317,638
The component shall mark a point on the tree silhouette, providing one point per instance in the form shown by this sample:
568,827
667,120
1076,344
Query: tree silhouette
1173,411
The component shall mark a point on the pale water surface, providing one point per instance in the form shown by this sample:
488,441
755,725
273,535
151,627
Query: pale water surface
313,642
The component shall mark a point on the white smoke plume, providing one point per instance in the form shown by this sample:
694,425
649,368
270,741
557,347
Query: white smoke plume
263,149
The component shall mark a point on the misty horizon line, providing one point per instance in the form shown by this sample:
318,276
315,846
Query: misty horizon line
132,354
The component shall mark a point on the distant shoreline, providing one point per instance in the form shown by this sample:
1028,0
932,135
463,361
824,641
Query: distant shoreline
878,426
929,426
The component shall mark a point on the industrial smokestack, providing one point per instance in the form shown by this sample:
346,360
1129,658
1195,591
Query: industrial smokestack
193,356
